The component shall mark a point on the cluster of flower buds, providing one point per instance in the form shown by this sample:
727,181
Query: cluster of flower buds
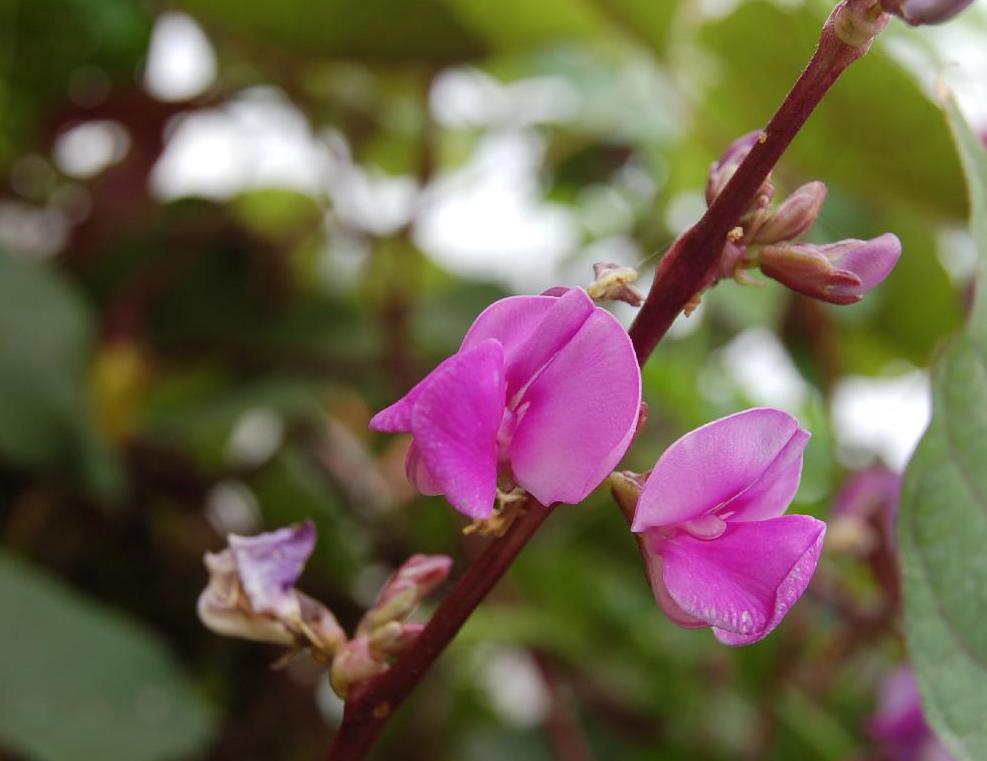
251,595
839,273
384,630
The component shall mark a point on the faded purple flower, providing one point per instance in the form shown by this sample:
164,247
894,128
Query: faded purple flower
917,12
899,724
251,592
840,273
720,551
867,500
544,392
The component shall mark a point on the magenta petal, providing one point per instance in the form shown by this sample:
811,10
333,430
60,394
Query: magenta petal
530,333
871,260
743,583
770,495
455,422
397,417
714,464
577,418
269,565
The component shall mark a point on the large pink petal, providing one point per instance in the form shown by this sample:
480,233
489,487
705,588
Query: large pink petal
745,581
455,421
712,465
532,330
577,418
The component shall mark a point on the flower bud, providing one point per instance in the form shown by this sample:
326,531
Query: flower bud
407,587
721,171
353,664
393,637
794,217
840,273
918,12
613,283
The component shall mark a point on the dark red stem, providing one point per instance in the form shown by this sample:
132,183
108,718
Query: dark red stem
682,274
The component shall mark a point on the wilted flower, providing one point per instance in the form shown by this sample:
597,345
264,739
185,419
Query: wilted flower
613,283
251,592
719,549
544,392
899,724
840,273
917,12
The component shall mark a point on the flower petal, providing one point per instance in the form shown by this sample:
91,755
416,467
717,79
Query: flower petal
455,422
418,475
269,565
532,330
714,464
577,418
743,583
773,492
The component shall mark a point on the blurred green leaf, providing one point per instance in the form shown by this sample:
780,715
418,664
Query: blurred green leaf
45,342
942,528
80,682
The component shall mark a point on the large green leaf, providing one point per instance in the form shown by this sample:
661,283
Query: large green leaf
943,522
82,683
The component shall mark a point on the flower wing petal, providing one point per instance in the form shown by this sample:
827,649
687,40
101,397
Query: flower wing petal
269,565
455,420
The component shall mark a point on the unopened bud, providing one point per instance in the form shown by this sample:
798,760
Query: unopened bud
857,22
721,171
626,487
393,637
840,273
794,216
613,283
407,587
917,12
353,664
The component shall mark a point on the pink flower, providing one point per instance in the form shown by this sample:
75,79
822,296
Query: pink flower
899,724
720,550
544,392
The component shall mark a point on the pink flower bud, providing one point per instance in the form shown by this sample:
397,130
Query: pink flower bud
794,217
917,12
407,587
840,273
353,664
721,172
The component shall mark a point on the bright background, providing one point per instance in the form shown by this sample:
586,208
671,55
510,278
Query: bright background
229,231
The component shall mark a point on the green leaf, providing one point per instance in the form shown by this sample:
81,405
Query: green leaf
80,682
943,521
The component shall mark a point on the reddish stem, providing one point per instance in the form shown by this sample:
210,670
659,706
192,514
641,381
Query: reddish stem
683,273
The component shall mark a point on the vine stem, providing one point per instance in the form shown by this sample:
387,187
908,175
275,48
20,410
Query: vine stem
682,274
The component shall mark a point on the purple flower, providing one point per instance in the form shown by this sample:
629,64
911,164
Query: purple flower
868,500
544,392
251,592
840,273
719,549
899,724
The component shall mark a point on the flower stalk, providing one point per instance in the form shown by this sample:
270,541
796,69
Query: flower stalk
682,274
